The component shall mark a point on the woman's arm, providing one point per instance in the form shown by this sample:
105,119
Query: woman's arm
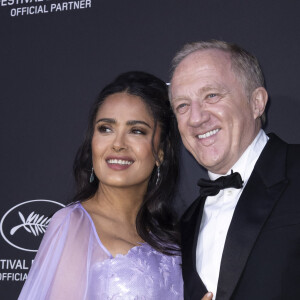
61,266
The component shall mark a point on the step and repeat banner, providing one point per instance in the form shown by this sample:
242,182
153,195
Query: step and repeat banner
57,55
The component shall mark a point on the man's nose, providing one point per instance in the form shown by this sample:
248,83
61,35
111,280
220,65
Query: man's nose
198,114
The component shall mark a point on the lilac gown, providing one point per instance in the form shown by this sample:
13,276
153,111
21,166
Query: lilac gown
72,263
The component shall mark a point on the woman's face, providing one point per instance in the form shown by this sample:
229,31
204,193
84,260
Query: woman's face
121,144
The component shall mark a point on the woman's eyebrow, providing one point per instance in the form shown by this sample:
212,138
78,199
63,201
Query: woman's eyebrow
130,122
134,122
107,120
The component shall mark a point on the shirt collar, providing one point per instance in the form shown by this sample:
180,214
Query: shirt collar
246,162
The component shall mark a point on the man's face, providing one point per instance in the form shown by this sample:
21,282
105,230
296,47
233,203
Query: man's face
216,120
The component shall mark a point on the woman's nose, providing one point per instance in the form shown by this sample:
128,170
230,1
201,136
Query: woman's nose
119,143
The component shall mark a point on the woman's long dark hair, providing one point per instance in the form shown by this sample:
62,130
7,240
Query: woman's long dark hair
155,222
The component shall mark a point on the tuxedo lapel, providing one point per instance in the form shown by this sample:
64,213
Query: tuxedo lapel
253,209
194,289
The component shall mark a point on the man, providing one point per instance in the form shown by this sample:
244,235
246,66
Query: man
241,242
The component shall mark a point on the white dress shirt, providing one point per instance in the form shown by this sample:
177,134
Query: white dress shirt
217,215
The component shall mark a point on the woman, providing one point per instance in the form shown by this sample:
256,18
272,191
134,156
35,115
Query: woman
118,239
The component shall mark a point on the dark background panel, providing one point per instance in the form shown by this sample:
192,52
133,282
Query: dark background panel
52,67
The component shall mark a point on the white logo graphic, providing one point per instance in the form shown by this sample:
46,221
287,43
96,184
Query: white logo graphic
23,228
33,224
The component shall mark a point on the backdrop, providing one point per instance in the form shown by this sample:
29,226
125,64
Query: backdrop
57,55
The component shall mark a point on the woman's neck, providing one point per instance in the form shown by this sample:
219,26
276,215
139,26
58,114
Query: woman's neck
119,203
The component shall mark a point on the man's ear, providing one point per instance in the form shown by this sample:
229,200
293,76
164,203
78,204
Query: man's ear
259,99
160,155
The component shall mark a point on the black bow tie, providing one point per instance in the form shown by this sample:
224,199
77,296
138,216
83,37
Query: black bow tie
212,188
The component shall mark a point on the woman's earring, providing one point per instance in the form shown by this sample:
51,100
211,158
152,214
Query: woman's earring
158,175
92,176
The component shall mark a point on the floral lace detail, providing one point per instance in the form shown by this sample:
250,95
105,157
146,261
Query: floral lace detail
142,274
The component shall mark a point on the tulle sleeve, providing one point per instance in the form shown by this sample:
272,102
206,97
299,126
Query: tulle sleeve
61,267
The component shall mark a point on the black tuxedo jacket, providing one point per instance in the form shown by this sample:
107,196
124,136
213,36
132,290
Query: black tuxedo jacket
261,257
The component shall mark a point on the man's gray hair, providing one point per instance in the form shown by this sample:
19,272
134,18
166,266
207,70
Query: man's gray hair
244,65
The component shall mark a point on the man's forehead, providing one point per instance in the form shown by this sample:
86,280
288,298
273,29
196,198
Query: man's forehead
204,59
206,88
205,70
208,62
